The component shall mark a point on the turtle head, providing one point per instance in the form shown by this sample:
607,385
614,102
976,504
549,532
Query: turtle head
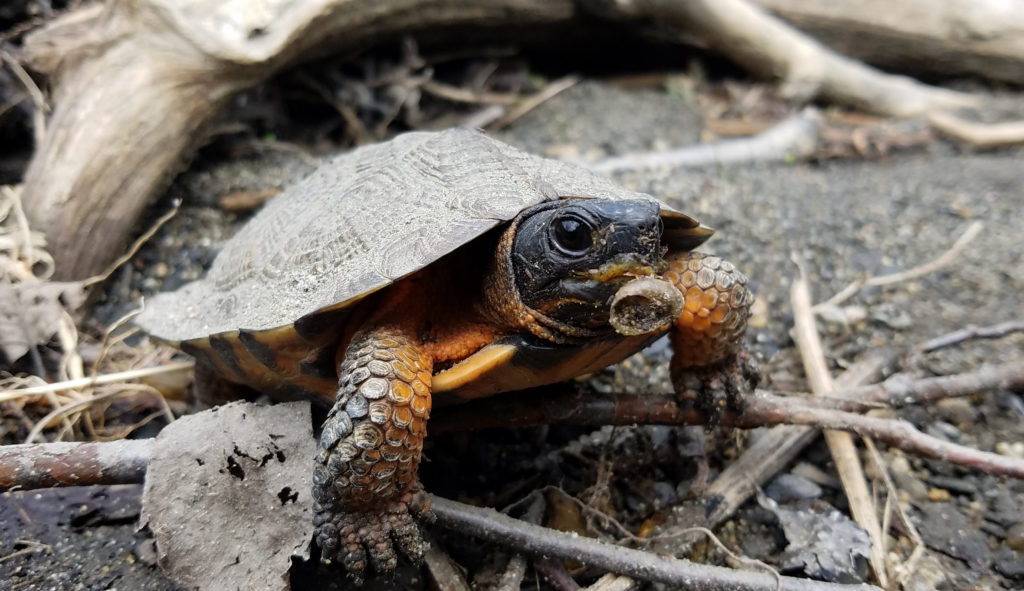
567,259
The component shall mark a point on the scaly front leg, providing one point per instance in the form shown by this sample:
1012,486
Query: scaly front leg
710,366
365,488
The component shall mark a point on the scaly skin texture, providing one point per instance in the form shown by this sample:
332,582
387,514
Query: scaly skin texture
710,367
365,487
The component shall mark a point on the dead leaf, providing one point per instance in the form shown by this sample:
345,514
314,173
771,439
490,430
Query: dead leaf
227,495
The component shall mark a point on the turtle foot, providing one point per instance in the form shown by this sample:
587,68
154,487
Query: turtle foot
717,388
365,538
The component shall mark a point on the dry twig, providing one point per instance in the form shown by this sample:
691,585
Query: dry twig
795,138
979,135
956,337
840,443
932,266
56,464
495,527
134,248
532,102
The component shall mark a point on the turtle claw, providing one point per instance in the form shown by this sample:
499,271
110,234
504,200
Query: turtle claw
717,388
368,538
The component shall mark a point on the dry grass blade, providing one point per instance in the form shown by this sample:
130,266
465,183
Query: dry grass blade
38,98
135,246
22,252
898,573
462,95
532,102
82,405
10,394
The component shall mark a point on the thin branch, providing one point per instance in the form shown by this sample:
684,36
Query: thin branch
979,135
544,407
71,464
913,273
139,242
795,138
840,443
900,391
462,95
956,337
43,465
779,446
532,102
893,505
895,432
489,525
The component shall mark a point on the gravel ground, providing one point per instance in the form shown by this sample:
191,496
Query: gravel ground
843,218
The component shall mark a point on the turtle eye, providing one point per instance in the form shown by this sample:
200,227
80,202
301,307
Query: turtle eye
572,235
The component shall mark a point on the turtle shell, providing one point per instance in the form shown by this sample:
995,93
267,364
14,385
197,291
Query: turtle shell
362,221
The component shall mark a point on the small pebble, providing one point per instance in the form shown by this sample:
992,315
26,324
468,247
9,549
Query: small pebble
785,488
899,465
944,430
912,486
938,495
161,270
961,486
1013,450
958,411
1015,536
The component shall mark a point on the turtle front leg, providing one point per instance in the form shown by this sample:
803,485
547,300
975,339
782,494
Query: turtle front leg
710,366
365,488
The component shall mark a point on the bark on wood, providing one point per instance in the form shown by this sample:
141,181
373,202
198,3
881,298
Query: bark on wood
942,39
136,81
30,466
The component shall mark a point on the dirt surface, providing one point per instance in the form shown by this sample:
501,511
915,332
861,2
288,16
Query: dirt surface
843,218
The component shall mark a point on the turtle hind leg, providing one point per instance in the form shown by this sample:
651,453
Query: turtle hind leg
365,487
710,366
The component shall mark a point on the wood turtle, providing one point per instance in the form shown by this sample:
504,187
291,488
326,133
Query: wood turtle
440,267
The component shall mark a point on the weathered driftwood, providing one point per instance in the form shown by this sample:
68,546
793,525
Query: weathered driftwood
770,48
983,38
136,81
